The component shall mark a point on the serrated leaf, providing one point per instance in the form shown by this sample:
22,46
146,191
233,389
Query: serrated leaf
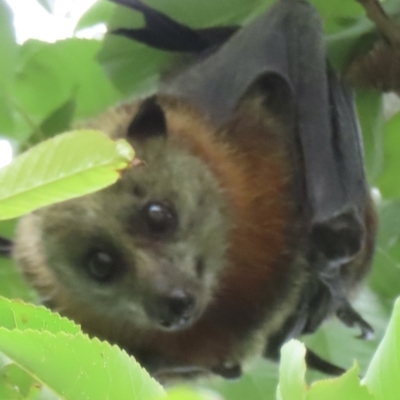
185,393
67,166
347,386
292,372
382,377
15,314
75,367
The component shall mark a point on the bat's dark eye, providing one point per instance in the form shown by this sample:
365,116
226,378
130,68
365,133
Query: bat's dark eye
102,266
160,217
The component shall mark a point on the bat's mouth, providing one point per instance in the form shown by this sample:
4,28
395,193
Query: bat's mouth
177,324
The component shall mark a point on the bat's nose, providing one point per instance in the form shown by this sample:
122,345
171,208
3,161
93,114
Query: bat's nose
179,303
176,310
178,307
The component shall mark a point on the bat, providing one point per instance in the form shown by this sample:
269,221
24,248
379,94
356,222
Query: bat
249,223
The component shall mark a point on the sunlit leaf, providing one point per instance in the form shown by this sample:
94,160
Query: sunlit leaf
75,367
67,166
99,13
382,377
347,386
292,372
15,314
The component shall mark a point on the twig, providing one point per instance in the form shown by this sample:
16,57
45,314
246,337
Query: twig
388,27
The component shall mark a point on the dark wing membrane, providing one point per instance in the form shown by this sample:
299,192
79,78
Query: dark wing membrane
164,33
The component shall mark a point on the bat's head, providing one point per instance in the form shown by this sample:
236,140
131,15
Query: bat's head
148,249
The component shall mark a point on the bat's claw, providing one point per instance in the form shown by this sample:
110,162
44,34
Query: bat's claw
352,318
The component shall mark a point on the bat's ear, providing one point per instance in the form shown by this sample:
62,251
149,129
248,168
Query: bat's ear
148,122
275,94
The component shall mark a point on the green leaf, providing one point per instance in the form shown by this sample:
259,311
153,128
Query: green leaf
67,166
75,367
186,393
357,33
370,111
7,228
347,386
99,13
50,74
7,125
8,390
292,384
8,45
382,377
385,275
342,43
12,285
8,55
259,381
292,372
15,314
17,378
388,182
60,120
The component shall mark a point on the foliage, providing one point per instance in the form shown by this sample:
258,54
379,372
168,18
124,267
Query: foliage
66,166
45,87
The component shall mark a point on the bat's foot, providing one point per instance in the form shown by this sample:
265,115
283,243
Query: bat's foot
352,318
